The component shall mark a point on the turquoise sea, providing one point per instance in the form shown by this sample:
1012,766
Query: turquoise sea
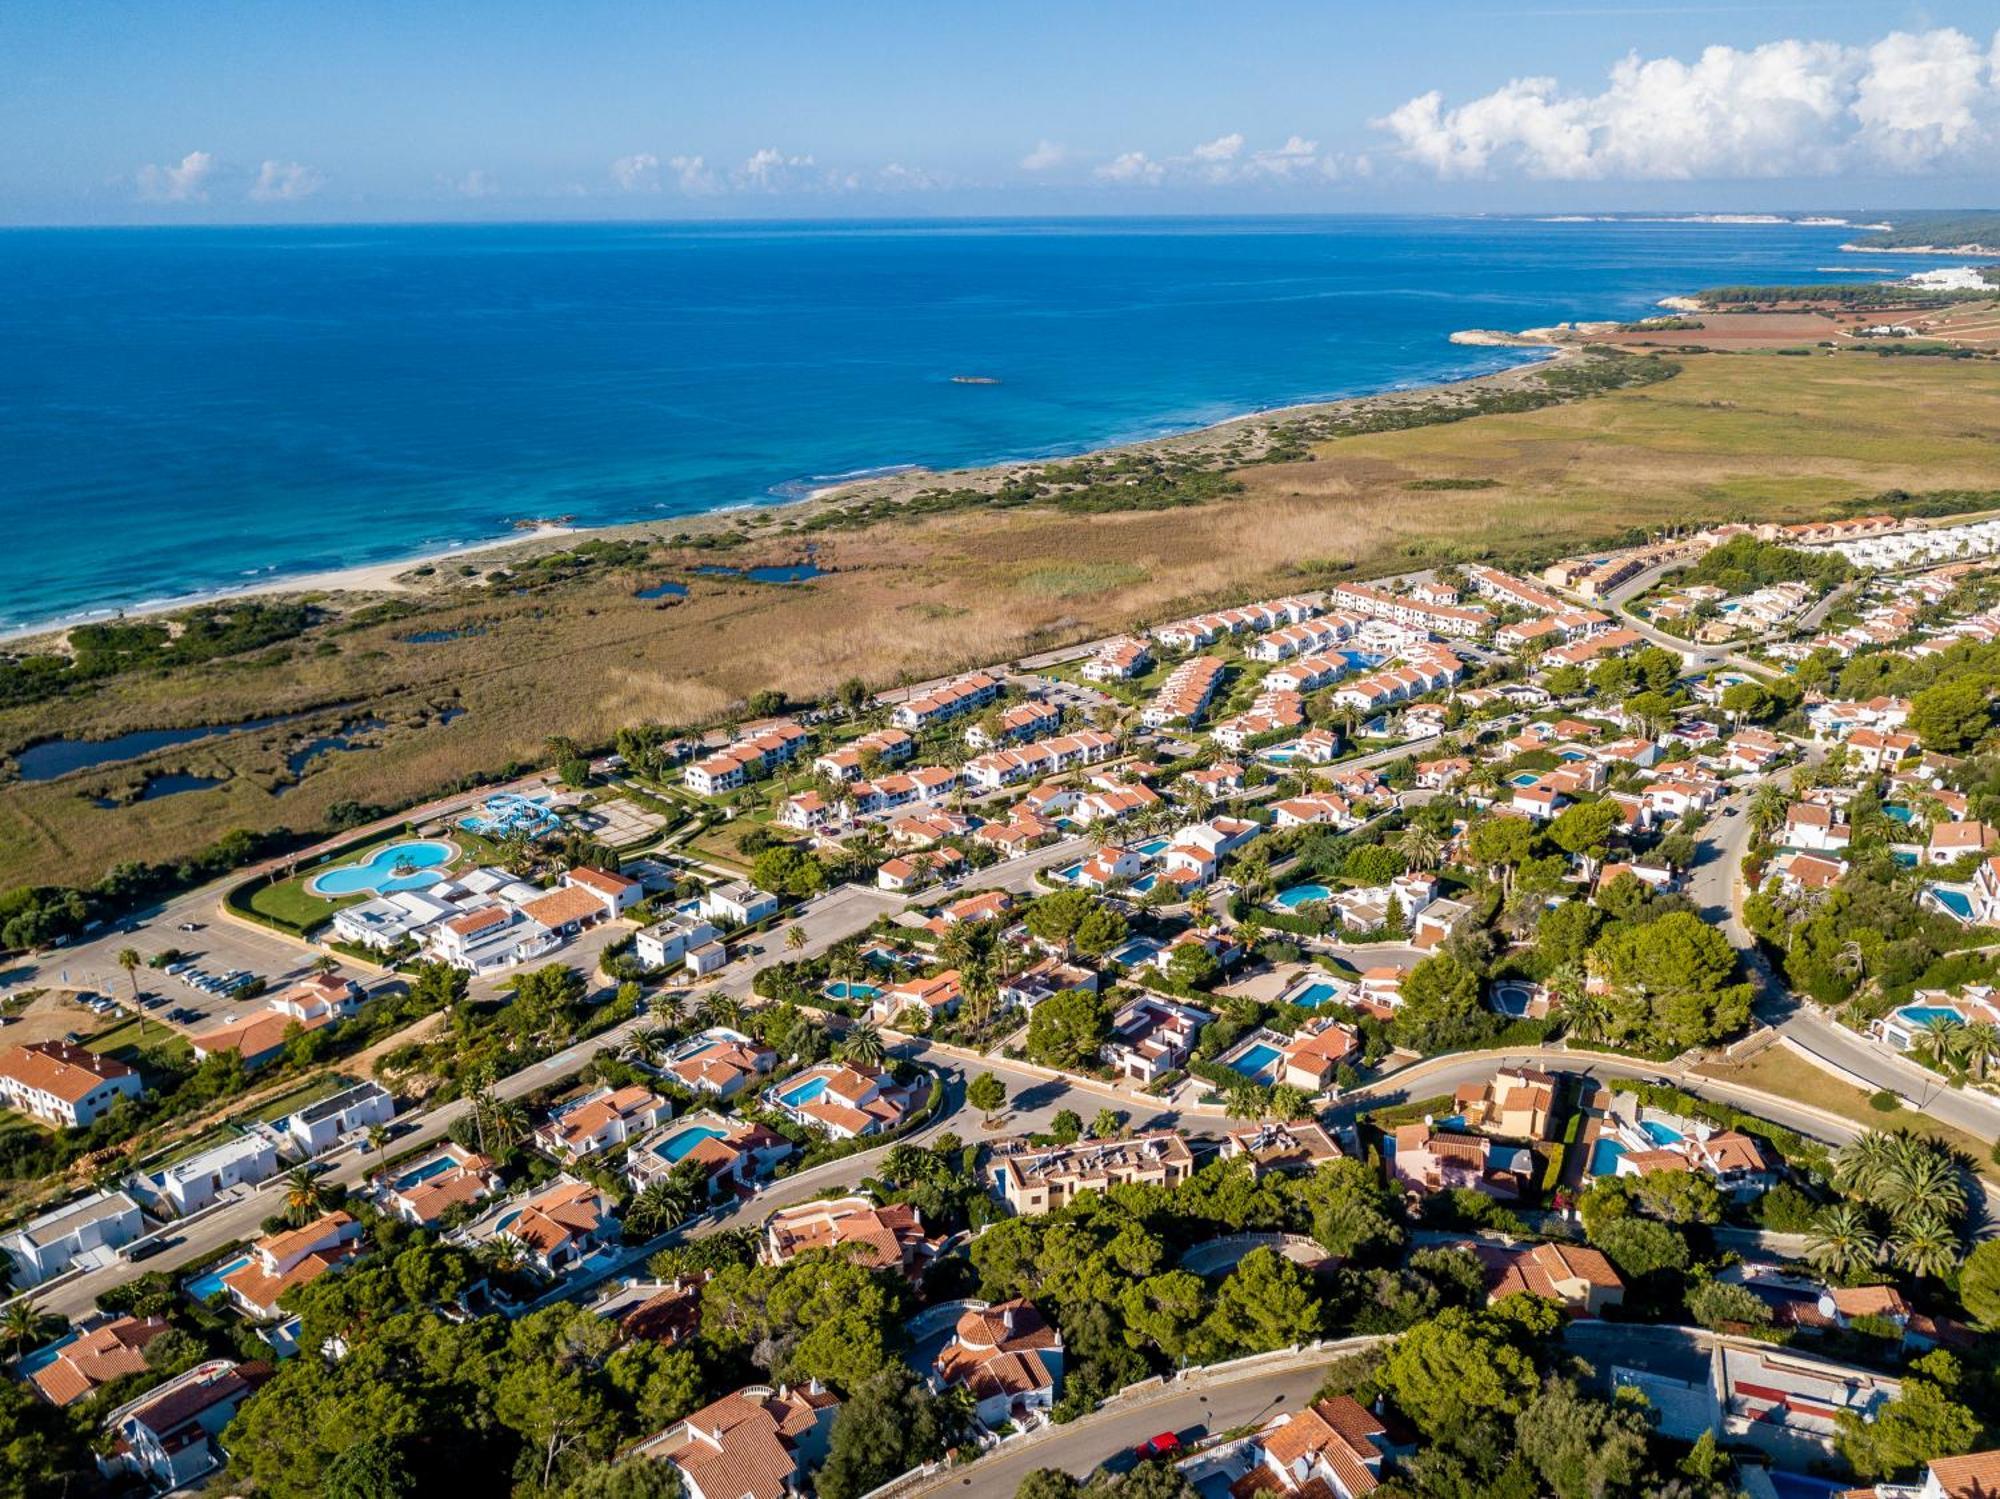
191,409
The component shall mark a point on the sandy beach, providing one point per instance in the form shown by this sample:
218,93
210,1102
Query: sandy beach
1247,433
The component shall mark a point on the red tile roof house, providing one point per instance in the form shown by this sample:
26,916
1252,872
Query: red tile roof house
1008,1358
845,1100
556,1228
1333,1449
1428,1160
95,1358
1578,1279
466,1178
736,1154
914,871
617,893
882,1238
719,1061
921,1002
1973,1476
756,1444
168,1434
63,1084
1153,1036
296,1257
313,1002
601,1119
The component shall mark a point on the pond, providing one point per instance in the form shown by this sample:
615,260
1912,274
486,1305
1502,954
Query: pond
797,572
171,784
58,757
347,737
439,637
661,591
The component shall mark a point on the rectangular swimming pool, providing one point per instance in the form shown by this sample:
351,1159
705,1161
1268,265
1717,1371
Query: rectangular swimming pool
1259,1063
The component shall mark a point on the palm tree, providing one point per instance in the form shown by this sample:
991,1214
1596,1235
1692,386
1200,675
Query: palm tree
1979,1045
1419,847
22,1323
504,1255
378,1141
1923,1243
325,963
656,1209
1938,1043
1767,809
1859,1164
1841,1240
129,960
304,1197
795,938
1920,1178
721,1008
862,1045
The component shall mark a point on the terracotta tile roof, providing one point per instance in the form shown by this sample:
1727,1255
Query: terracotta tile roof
561,907
98,1357
1974,1476
60,1069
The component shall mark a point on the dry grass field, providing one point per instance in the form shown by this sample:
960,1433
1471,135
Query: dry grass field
1734,435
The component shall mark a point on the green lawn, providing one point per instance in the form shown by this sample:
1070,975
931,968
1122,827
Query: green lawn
135,1034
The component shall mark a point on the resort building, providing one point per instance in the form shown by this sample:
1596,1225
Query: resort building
168,1435
882,1238
851,761
749,758
314,1002
759,1443
1043,758
953,700
615,893
296,1257
63,1084
1118,661
1008,1358
1033,1179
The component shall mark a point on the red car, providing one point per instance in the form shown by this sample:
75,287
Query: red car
1163,1445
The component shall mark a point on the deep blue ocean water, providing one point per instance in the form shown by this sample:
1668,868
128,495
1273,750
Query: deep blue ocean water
189,409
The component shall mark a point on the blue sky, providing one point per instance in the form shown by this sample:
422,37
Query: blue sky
119,111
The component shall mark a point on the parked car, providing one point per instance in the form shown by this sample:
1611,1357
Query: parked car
1164,1445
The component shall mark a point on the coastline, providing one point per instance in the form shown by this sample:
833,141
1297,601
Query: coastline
397,577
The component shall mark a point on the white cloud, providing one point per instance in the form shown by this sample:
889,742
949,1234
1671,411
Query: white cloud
285,182
1910,102
477,183
1222,148
771,170
692,174
1046,155
183,183
896,177
637,173
1132,166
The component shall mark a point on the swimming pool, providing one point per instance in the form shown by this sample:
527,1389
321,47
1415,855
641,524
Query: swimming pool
41,1358
426,857
1954,901
1067,873
1362,660
844,989
204,1286
508,812
1151,848
1660,1134
1923,1015
1303,895
1259,1063
1896,813
417,1176
1134,952
796,1094
1525,778
1314,995
1605,1156
678,1145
